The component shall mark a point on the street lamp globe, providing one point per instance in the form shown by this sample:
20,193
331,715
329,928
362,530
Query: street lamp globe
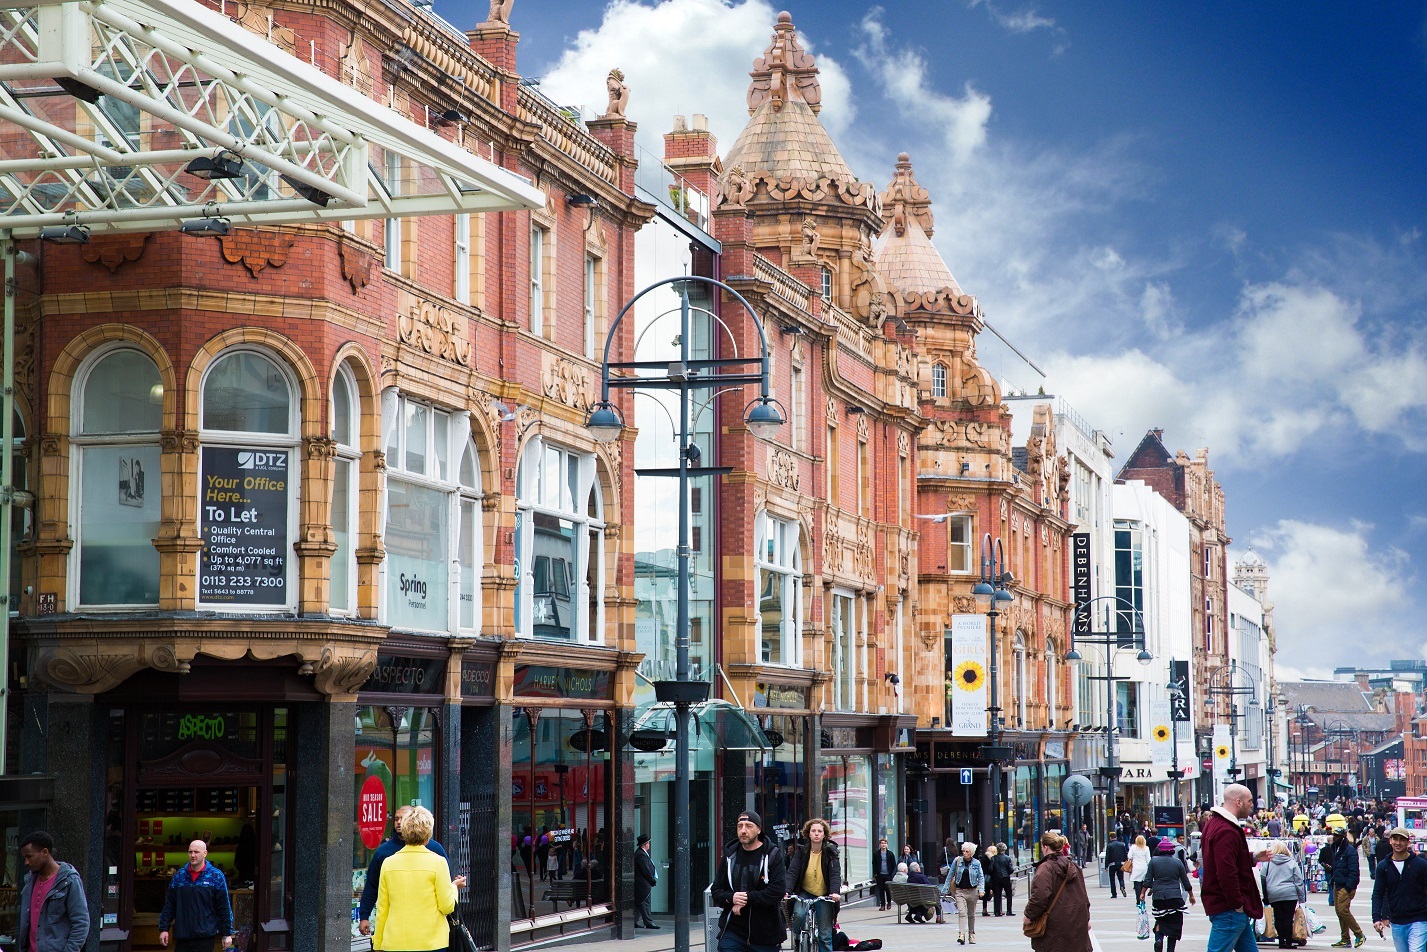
1144,657
604,422
983,592
763,418
1074,655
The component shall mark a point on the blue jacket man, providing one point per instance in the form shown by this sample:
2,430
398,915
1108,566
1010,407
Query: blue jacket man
196,906
389,846
62,924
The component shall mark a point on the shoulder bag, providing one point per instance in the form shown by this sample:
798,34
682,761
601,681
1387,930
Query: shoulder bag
1035,928
460,937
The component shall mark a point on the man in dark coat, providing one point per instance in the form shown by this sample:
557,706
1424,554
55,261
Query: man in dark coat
1343,879
1399,895
884,867
748,886
1116,852
645,876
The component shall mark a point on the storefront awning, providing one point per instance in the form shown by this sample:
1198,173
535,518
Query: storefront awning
713,725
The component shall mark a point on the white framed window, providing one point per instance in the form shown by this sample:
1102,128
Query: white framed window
537,279
938,380
462,289
846,621
559,545
591,296
115,486
1021,680
345,433
778,561
1208,562
825,283
798,409
432,527
248,475
1051,677
392,229
864,476
21,518
958,539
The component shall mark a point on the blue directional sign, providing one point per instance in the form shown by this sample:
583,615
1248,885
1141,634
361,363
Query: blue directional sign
966,776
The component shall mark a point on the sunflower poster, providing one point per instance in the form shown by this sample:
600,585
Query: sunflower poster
1161,734
1223,752
966,676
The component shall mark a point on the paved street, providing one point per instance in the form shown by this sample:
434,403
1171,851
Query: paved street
1112,920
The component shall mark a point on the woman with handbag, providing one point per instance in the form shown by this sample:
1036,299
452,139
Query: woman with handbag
966,884
1139,867
416,893
1057,912
1283,889
1169,888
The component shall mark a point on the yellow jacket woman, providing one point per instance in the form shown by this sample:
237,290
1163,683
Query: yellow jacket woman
416,893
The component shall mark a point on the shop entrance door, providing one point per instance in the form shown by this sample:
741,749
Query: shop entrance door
219,777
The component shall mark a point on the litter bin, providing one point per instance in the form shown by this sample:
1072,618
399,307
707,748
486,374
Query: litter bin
711,913
1104,877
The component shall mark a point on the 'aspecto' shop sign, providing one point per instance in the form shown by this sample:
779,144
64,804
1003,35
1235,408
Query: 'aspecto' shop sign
244,519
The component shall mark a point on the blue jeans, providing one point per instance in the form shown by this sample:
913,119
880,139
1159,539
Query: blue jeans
826,912
1231,931
1410,936
728,942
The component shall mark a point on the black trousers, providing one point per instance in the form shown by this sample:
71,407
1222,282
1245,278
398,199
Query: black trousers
1003,887
1117,875
204,944
884,895
645,915
1283,918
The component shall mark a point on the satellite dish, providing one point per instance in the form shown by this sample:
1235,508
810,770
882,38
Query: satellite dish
1076,790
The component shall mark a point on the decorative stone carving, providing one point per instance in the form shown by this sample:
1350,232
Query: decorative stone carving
961,504
863,558
869,292
319,447
567,382
430,329
963,604
353,66
343,670
864,429
735,189
811,239
783,469
500,11
84,669
618,95
178,441
114,250
832,548
256,250
785,72
907,199
356,264
258,19
904,443
832,411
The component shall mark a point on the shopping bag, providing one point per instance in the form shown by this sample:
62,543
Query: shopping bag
1143,926
1300,925
1315,925
1270,928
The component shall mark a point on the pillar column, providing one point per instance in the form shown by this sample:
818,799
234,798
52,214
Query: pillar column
485,772
325,803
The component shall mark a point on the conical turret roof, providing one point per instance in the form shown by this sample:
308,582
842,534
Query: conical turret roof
784,136
904,252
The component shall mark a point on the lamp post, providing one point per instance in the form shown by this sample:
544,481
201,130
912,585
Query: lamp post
1304,722
1112,638
1273,771
684,375
992,592
1341,731
1178,703
1220,683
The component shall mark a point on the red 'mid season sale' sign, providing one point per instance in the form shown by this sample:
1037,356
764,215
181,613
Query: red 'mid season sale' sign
371,812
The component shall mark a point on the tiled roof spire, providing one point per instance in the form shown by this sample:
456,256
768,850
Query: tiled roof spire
906,198
785,71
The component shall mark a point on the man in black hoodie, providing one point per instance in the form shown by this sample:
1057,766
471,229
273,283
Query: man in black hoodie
1399,895
749,885
1116,852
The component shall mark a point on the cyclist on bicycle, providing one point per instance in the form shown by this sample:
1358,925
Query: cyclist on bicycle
815,872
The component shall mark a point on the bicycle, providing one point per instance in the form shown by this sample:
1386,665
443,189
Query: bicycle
805,933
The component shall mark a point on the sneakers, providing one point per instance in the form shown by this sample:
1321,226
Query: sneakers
972,940
961,938
1341,944
1359,941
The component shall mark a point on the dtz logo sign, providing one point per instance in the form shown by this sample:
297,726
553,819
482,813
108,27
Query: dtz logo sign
251,460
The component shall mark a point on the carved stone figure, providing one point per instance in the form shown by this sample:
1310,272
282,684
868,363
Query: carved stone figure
785,71
618,95
737,190
500,11
811,238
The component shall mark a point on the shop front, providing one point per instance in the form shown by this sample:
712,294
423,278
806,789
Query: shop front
783,795
859,788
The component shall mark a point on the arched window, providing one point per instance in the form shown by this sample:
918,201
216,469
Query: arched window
433,517
118,411
345,433
938,380
778,559
559,545
248,483
1021,682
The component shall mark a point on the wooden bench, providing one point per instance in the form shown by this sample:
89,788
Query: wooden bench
915,894
573,892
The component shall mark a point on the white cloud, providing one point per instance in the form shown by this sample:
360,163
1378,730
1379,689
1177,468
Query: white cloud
1337,599
662,46
902,75
1019,21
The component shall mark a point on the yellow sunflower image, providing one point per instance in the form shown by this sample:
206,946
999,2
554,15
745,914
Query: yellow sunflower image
1161,733
1222,752
970,676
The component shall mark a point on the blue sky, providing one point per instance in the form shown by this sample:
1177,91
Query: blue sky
1206,217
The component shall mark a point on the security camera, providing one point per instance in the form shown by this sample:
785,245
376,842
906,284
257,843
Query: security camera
693,454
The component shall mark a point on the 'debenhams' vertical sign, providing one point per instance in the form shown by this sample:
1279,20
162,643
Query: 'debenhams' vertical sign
243,508
1080,580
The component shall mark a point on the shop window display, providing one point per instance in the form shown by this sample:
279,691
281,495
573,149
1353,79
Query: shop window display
847,806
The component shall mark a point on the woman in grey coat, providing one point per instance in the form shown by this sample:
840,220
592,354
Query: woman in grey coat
1283,889
1167,889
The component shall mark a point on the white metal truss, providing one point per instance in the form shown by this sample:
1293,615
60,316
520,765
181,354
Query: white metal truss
104,103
